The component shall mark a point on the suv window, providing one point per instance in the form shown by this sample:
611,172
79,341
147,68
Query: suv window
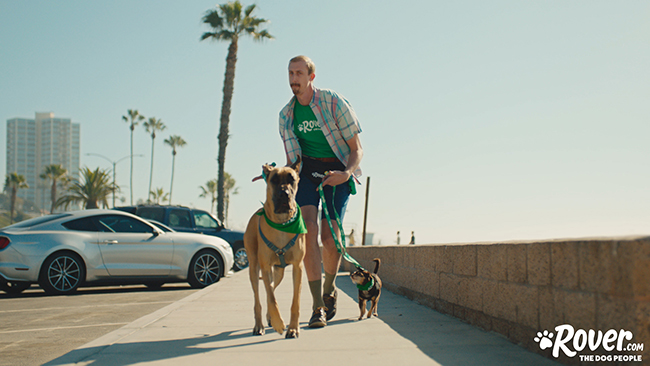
180,218
204,220
152,213
122,224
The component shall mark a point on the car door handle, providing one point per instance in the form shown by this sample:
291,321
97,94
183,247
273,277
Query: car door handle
110,242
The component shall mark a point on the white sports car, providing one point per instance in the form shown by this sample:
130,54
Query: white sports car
63,251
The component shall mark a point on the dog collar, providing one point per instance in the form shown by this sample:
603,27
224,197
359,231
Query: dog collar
296,225
367,286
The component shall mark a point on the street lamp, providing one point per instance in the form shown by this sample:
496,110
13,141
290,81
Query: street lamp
114,164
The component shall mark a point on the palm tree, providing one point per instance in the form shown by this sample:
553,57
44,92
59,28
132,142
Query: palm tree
228,24
136,118
229,185
159,195
153,125
93,188
174,141
56,173
210,190
14,182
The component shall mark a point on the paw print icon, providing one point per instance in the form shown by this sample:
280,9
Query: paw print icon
544,339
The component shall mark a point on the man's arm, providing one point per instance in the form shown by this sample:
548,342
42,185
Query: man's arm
337,177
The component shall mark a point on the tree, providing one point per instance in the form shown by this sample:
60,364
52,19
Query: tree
159,195
14,182
135,118
228,24
229,185
94,187
210,190
152,126
174,141
58,174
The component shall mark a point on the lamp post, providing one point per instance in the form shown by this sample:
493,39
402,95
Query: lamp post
114,164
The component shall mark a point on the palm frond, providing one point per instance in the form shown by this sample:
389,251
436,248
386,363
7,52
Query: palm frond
213,19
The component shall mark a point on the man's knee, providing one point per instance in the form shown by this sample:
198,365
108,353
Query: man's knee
312,227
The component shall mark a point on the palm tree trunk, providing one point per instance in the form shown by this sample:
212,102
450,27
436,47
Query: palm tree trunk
131,185
171,186
151,172
228,88
53,195
13,204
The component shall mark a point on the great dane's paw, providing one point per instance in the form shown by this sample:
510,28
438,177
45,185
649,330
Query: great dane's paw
258,330
292,333
279,326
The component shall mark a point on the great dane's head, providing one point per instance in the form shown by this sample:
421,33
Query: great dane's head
281,186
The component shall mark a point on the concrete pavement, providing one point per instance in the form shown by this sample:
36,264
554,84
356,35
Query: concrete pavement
214,326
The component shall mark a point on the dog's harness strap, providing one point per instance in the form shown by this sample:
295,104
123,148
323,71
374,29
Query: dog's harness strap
278,251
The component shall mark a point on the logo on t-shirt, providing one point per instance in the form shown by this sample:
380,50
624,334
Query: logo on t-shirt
308,126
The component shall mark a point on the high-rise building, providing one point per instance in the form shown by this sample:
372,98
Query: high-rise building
33,144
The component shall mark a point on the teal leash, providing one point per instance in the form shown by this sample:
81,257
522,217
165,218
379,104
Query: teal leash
340,245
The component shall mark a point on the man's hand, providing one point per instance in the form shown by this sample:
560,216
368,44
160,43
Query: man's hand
336,177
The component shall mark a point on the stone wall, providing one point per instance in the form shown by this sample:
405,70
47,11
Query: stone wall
519,289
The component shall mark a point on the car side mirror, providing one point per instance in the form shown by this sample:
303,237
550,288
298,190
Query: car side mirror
155,232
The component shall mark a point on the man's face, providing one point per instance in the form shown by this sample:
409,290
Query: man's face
299,77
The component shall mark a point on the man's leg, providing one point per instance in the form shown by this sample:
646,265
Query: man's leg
331,264
313,265
331,256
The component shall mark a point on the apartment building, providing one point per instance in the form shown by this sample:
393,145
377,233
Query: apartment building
32,144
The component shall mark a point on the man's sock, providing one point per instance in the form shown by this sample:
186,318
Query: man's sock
328,285
314,288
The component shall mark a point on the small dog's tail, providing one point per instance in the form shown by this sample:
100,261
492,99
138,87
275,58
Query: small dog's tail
377,262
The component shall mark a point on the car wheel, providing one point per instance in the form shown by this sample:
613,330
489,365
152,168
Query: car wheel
13,287
62,274
205,269
240,257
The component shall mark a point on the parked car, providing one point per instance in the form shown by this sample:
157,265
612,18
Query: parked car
190,220
63,251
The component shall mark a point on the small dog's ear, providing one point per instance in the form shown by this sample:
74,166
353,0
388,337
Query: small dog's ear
296,166
266,168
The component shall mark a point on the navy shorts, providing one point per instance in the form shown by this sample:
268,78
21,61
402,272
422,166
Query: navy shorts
308,196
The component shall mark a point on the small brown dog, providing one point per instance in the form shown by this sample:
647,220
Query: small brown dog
270,249
369,285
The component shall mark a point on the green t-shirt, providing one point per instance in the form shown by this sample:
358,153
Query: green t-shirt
312,140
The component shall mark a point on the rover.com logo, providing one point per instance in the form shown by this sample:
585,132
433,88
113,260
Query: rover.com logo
580,340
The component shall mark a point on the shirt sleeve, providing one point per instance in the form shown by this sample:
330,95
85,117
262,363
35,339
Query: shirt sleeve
347,120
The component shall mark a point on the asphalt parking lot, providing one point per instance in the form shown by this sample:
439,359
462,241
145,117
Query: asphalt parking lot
36,328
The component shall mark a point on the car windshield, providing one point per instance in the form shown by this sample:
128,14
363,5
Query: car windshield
36,221
205,220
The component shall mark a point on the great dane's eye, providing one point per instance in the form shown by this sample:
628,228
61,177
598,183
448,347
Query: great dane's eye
290,179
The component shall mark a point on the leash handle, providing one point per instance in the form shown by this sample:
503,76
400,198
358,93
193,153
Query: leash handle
340,245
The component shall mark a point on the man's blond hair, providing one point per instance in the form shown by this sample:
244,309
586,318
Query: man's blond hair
311,68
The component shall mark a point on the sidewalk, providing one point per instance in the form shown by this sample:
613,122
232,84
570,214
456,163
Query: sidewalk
214,326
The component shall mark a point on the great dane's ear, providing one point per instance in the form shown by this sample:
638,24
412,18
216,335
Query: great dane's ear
296,166
266,168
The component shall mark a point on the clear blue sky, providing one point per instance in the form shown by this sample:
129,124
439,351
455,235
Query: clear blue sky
482,121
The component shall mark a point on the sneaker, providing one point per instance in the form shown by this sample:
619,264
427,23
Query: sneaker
318,318
330,304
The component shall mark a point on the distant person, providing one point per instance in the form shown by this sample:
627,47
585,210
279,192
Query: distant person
320,126
398,238
352,241
412,237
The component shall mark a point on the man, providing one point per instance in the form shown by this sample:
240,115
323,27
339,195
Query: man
320,126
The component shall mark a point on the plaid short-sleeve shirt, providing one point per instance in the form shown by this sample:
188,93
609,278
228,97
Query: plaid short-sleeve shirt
336,118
